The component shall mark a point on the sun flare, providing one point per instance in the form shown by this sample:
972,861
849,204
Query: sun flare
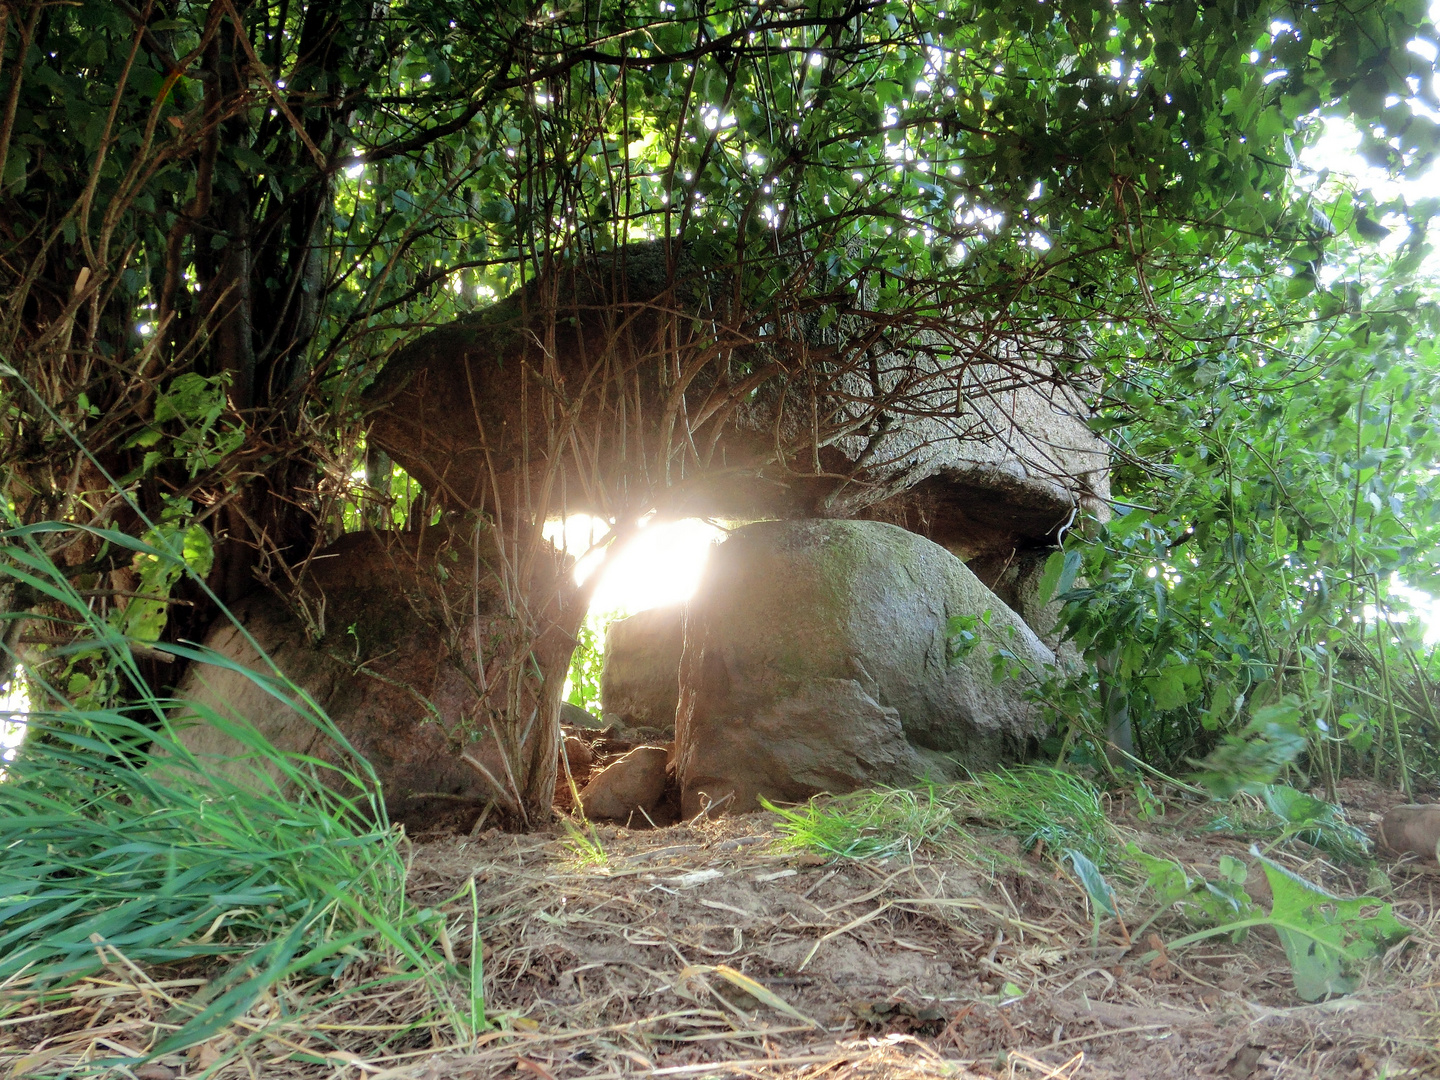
662,565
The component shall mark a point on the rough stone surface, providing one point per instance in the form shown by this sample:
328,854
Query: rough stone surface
1002,460
578,754
829,735
817,659
983,445
387,653
1412,829
625,787
640,679
574,716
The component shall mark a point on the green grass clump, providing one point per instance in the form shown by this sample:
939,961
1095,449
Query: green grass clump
1042,806
118,846
164,862
873,823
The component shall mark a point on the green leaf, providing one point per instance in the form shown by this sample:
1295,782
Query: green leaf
1165,877
1367,97
963,634
248,159
198,550
1325,938
1050,577
1175,685
498,211
147,436
190,397
1207,903
1253,758
1069,571
1315,822
1098,889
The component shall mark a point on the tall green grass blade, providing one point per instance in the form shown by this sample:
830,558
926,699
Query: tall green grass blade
115,838
873,823
265,966
1041,805
478,1022
1046,806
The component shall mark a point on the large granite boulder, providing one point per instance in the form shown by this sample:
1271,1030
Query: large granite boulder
381,634
640,679
975,436
818,657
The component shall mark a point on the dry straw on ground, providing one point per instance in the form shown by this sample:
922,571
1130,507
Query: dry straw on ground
712,950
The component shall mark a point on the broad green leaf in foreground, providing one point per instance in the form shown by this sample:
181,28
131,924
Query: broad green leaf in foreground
1327,940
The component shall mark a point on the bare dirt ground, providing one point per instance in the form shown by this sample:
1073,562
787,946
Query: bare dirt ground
713,949
982,963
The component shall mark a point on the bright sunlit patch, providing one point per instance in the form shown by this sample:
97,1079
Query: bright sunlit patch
14,704
662,565
579,536
1424,49
1422,605
1337,150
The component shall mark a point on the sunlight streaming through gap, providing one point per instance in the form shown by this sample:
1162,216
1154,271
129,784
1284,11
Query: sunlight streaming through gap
14,705
661,565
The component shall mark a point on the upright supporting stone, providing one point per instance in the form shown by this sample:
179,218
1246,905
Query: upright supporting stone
818,657
640,681
382,637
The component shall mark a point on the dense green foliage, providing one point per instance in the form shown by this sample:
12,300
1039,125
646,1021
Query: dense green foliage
1280,472
345,170
583,686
